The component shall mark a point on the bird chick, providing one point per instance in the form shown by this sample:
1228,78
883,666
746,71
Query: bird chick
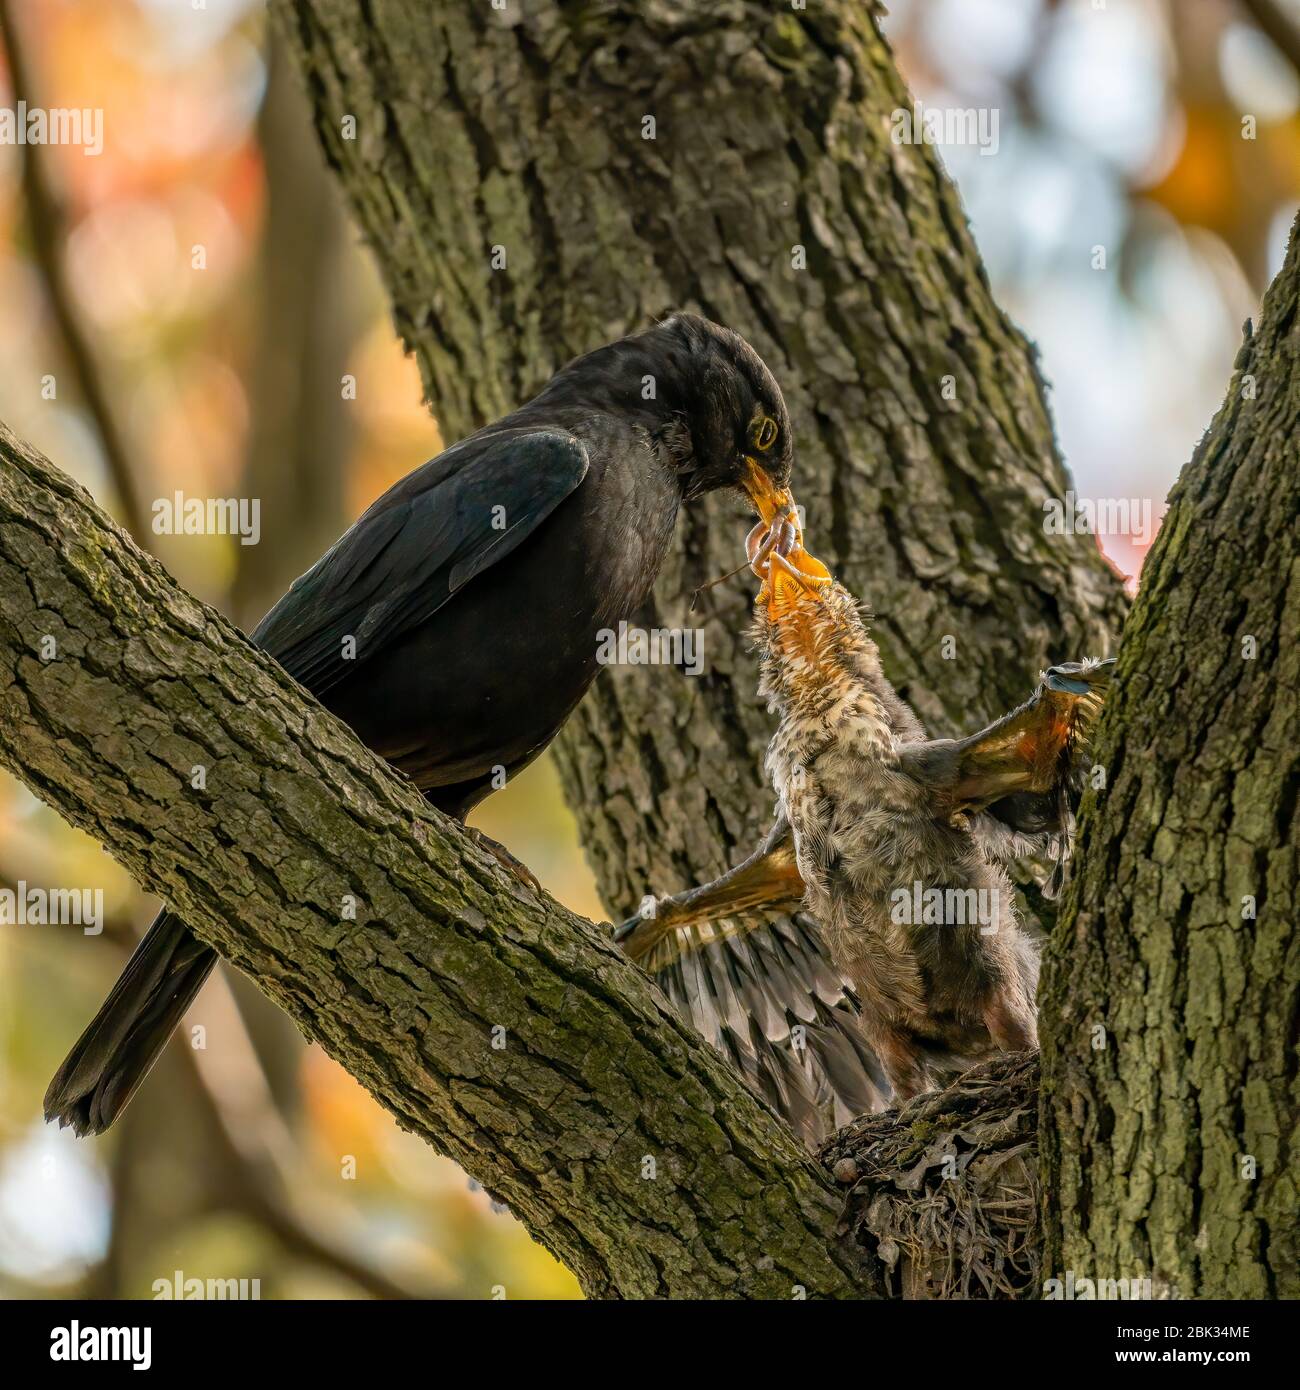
869,948
914,913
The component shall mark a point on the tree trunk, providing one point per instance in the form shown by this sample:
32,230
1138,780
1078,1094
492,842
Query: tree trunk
1170,1091
501,1028
768,194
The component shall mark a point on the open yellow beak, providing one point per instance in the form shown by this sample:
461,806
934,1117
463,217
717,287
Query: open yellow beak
769,500
793,579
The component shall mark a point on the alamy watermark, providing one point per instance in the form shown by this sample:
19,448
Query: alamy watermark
919,906
945,125
656,646
179,515
21,906
73,1342
1072,515
181,1287
1081,1289
53,125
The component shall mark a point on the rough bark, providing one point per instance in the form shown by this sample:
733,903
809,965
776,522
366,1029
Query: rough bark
924,447
116,687
523,129
1170,1091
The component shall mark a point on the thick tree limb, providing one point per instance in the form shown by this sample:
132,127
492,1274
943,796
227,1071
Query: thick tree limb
1172,989
620,1139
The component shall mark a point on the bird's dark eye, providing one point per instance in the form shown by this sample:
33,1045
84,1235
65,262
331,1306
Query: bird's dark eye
764,432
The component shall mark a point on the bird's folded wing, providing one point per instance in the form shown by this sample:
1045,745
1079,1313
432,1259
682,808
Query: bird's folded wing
765,993
421,542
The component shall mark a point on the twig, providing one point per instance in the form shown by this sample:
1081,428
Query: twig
1270,17
45,219
713,583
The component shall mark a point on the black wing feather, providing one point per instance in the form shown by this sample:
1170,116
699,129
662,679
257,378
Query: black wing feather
416,546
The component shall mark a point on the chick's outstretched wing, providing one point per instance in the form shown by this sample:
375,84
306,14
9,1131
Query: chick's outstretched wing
1028,753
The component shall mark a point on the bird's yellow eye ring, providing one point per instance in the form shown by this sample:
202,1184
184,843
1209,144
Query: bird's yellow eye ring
765,432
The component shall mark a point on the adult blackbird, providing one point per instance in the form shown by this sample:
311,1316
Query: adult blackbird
877,918
454,627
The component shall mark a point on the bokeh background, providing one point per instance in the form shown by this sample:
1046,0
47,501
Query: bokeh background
198,296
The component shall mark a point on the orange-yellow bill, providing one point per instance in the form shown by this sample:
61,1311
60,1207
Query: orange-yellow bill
769,500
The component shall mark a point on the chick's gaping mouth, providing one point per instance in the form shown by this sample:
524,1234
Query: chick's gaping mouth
791,576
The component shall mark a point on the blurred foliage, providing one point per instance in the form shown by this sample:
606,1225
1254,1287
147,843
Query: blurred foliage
1164,132
1120,125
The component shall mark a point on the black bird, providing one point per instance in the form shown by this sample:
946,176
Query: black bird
454,626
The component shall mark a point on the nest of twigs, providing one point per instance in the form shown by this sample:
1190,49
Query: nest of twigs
944,1192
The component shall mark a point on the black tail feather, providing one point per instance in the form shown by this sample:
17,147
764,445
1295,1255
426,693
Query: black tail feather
113,1056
